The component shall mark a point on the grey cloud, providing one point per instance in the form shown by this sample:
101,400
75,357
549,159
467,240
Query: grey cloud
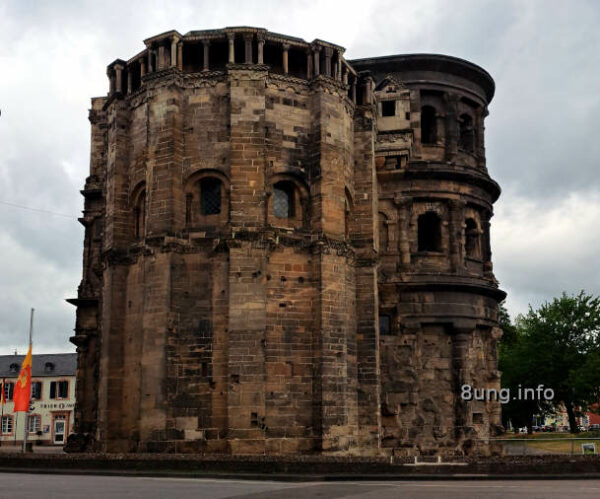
541,139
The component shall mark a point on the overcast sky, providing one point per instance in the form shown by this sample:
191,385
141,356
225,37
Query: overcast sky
542,136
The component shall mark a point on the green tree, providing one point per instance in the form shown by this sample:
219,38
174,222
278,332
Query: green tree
557,346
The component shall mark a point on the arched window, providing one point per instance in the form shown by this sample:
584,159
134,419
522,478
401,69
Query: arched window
430,232
283,199
428,125
466,138
210,196
140,215
472,246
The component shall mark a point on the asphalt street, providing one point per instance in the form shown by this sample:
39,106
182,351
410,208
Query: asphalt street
26,486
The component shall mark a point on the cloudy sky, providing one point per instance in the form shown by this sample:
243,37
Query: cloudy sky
543,142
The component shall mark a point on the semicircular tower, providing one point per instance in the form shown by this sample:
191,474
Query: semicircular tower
438,298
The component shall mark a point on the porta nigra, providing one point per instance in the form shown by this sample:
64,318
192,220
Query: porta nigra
286,252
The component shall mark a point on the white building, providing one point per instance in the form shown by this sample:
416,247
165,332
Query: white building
50,419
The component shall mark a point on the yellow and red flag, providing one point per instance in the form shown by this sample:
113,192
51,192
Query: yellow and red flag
2,397
22,392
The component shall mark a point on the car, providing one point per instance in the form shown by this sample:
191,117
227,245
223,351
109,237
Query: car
595,426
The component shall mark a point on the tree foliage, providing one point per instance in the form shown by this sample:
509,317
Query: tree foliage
557,346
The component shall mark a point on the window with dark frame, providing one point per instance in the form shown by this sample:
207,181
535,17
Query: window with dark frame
7,425
210,196
59,389
388,108
34,423
9,388
36,390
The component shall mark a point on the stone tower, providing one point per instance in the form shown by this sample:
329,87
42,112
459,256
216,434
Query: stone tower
286,252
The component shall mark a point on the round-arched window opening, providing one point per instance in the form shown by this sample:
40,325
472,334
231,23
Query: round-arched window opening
430,232
472,239
210,196
283,200
467,133
428,125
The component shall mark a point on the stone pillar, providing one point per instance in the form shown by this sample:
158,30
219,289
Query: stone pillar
260,38
328,54
354,78
338,73
111,81
248,48
205,58
480,115
403,203
368,90
316,61
451,101
309,65
173,52
160,63
142,67
129,81
180,56
460,348
119,78
231,40
150,68
286,47
456,229
344,76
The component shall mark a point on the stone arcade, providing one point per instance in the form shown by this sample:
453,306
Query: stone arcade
286,252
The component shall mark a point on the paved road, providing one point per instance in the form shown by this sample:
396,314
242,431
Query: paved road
26,486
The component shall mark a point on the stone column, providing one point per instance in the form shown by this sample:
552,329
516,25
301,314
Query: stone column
111,81
142,67
248,48
160,63
260,38
460,348
309,61
456,229
119,78
403,203
328,54
344,75
205,59
451,101
180,56
173,52
230,40
480,115
338,71
129,81
316,61
150,68
354,78
286,47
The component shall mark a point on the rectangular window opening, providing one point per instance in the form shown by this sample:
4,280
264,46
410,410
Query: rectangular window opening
388,108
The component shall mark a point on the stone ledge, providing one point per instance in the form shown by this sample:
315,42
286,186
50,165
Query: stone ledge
338,467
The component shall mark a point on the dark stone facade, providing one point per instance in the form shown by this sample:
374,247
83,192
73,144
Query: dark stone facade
286,252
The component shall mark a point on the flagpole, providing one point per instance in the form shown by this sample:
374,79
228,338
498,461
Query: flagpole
26,426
